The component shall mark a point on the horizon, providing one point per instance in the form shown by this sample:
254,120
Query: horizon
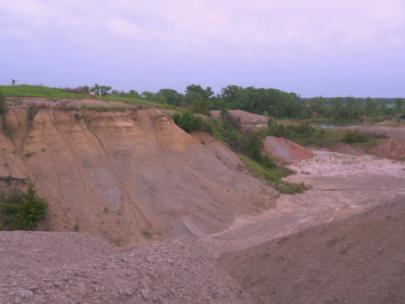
309,47
217,92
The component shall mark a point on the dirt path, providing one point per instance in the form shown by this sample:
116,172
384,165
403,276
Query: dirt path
342,185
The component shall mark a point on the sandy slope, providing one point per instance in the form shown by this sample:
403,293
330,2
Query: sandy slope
127,175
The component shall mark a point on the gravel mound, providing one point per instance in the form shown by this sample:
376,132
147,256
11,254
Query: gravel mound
75,268
358,260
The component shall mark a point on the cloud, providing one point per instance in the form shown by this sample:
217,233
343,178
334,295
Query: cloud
259,35
313,25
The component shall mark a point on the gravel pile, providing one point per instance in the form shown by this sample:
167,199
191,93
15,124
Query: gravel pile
75,268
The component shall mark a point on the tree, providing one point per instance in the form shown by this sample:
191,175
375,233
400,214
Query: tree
13,81
100,89
399,105
196,93
172,96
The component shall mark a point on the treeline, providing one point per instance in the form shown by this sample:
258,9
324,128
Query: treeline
273,102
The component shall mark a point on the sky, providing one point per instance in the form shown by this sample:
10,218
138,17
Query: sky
311,47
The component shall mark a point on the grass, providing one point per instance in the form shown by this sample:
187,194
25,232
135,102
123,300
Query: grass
38,91
306,135
273,175
20,91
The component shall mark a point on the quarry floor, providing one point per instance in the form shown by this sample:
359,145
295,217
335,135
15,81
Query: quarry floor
341,186
77,268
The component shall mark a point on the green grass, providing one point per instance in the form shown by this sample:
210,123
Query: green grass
20,91
273,175
306,135
38,91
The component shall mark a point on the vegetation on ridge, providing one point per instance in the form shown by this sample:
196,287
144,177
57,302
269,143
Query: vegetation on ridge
248,145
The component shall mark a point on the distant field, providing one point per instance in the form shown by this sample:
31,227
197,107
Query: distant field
38,91
59,93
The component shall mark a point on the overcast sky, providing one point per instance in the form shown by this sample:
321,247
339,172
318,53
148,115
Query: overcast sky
312,47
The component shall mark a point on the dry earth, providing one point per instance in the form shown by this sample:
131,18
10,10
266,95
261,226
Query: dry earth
285,150
130,176
72,268
127,176
358,260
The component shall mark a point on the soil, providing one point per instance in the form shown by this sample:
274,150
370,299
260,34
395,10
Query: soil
128,176
196,226
285,150
76,268
359,260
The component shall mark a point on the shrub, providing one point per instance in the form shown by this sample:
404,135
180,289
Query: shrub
305,134
189,122
32,110
21,210
3,105
353,137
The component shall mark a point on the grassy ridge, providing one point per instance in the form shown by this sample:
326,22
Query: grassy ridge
59,93
38,91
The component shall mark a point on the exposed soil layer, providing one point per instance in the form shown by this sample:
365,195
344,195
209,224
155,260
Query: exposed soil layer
75,268
285,150
359,260
127,176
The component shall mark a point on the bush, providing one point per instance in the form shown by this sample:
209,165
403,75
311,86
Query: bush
353,137
305,134
21,210
32,110
3,105
189,122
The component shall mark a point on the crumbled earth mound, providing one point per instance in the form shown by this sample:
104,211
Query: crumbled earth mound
347,149
249,121
285,150
74,268
391,148
128,176
357,260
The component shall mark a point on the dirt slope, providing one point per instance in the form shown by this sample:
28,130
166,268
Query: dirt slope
127,176
357,260
67,268
285,150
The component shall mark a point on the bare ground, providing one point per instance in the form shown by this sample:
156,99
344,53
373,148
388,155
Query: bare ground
134,175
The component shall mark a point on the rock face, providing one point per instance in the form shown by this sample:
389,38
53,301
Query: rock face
249,121
76,268
285,150
356,260
126,175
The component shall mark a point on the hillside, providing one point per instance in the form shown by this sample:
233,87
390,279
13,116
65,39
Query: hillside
125,174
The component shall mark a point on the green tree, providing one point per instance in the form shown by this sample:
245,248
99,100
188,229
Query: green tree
198,93
172,97
399,105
